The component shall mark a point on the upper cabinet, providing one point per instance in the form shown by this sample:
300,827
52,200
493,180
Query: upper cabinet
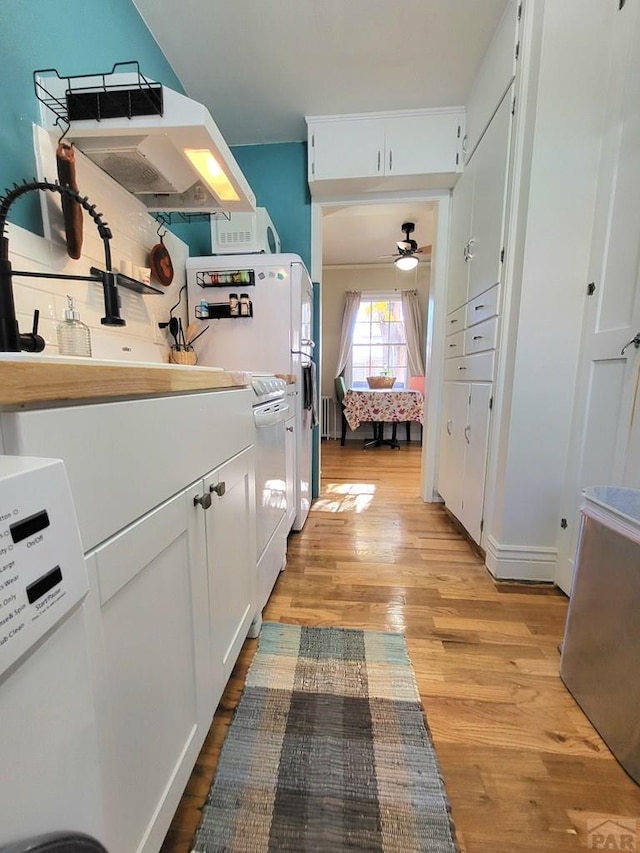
478,214
416,149
496,75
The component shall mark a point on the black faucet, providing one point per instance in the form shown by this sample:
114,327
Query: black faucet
11,340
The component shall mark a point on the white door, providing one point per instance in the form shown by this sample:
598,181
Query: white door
476,436
461,213
455,403
349,148
151,586
419,145
606,421
490,164
231,556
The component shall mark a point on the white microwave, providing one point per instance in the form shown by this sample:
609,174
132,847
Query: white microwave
244,233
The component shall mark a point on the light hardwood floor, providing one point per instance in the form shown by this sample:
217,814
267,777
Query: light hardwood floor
524,769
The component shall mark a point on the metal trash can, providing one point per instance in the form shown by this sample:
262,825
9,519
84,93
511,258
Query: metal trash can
600,662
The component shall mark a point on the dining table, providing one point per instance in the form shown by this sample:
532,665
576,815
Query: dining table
380,406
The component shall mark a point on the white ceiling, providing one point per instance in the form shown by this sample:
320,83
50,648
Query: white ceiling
358,234
261,66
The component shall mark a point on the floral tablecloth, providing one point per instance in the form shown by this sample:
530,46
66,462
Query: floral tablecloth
382,404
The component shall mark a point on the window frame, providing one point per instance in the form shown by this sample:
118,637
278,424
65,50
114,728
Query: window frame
380,296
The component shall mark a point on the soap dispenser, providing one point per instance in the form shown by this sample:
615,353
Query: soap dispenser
74,337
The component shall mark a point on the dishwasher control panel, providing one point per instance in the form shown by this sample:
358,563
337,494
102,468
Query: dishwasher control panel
42,568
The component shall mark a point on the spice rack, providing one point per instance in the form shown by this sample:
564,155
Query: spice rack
226,278
128,282
220,311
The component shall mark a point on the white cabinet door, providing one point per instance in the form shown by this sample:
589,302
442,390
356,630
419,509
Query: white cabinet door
490,164
150,642
347,148
455,403
463,452
461,215
231,553
423,144
290,467
476,436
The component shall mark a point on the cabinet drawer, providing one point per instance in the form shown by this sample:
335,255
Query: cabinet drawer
483,306
481,337
470,368
456,321
454,345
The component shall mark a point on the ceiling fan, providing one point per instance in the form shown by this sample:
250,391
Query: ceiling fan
406,258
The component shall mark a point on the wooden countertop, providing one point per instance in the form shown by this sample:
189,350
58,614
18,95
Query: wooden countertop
27,381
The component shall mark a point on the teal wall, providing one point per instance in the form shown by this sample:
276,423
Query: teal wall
74,37
278,176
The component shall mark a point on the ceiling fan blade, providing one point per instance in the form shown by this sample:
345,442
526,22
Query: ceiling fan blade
388,256
424,250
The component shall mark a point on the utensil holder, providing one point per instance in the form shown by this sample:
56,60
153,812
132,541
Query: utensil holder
182,356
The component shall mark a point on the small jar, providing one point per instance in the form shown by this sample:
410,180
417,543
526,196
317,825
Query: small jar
234,308
245,305
203,309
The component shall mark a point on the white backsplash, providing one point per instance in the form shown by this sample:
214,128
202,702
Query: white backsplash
134,234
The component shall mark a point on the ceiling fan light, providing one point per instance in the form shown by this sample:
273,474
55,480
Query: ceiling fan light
408,262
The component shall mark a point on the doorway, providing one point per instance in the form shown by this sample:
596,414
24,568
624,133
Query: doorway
433,208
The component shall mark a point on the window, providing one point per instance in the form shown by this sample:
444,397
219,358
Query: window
379,341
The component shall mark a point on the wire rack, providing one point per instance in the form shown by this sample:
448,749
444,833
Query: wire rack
98,96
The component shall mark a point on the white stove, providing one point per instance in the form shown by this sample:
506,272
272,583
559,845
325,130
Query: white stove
270,411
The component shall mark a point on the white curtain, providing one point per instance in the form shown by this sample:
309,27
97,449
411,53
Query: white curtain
351,305
414,327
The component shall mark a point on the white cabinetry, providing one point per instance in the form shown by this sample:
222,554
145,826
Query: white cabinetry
413,144
151,640
231,559
477,226
463,451
472,326
167,521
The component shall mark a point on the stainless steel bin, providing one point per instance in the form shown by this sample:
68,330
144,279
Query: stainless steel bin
600,662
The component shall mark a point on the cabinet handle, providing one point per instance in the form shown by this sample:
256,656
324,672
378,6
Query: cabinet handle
219,489
203,500
289,429
379,157
449,424
479,307
453,345
390,160
467,431
453,321
477,337
462,368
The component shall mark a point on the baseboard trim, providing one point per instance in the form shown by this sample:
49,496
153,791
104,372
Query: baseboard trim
506,562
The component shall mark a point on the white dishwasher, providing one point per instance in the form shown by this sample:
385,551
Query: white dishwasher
50,777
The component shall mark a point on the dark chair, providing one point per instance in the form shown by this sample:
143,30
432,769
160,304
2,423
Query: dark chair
341,390
416,383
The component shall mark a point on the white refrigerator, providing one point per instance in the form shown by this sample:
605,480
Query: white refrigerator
271,334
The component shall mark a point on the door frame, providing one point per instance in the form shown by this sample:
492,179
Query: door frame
436,313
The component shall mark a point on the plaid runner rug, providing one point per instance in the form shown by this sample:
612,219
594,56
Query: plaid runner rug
328,751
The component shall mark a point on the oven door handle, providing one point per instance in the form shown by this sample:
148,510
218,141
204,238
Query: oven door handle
270,416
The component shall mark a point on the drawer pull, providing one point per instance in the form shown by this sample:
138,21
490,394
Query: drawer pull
477,337
462,368
454,321
452,346
203,500
479,307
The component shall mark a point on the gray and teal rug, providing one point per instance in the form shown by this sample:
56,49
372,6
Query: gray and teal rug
328,751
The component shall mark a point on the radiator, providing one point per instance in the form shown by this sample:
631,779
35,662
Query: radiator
328,418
